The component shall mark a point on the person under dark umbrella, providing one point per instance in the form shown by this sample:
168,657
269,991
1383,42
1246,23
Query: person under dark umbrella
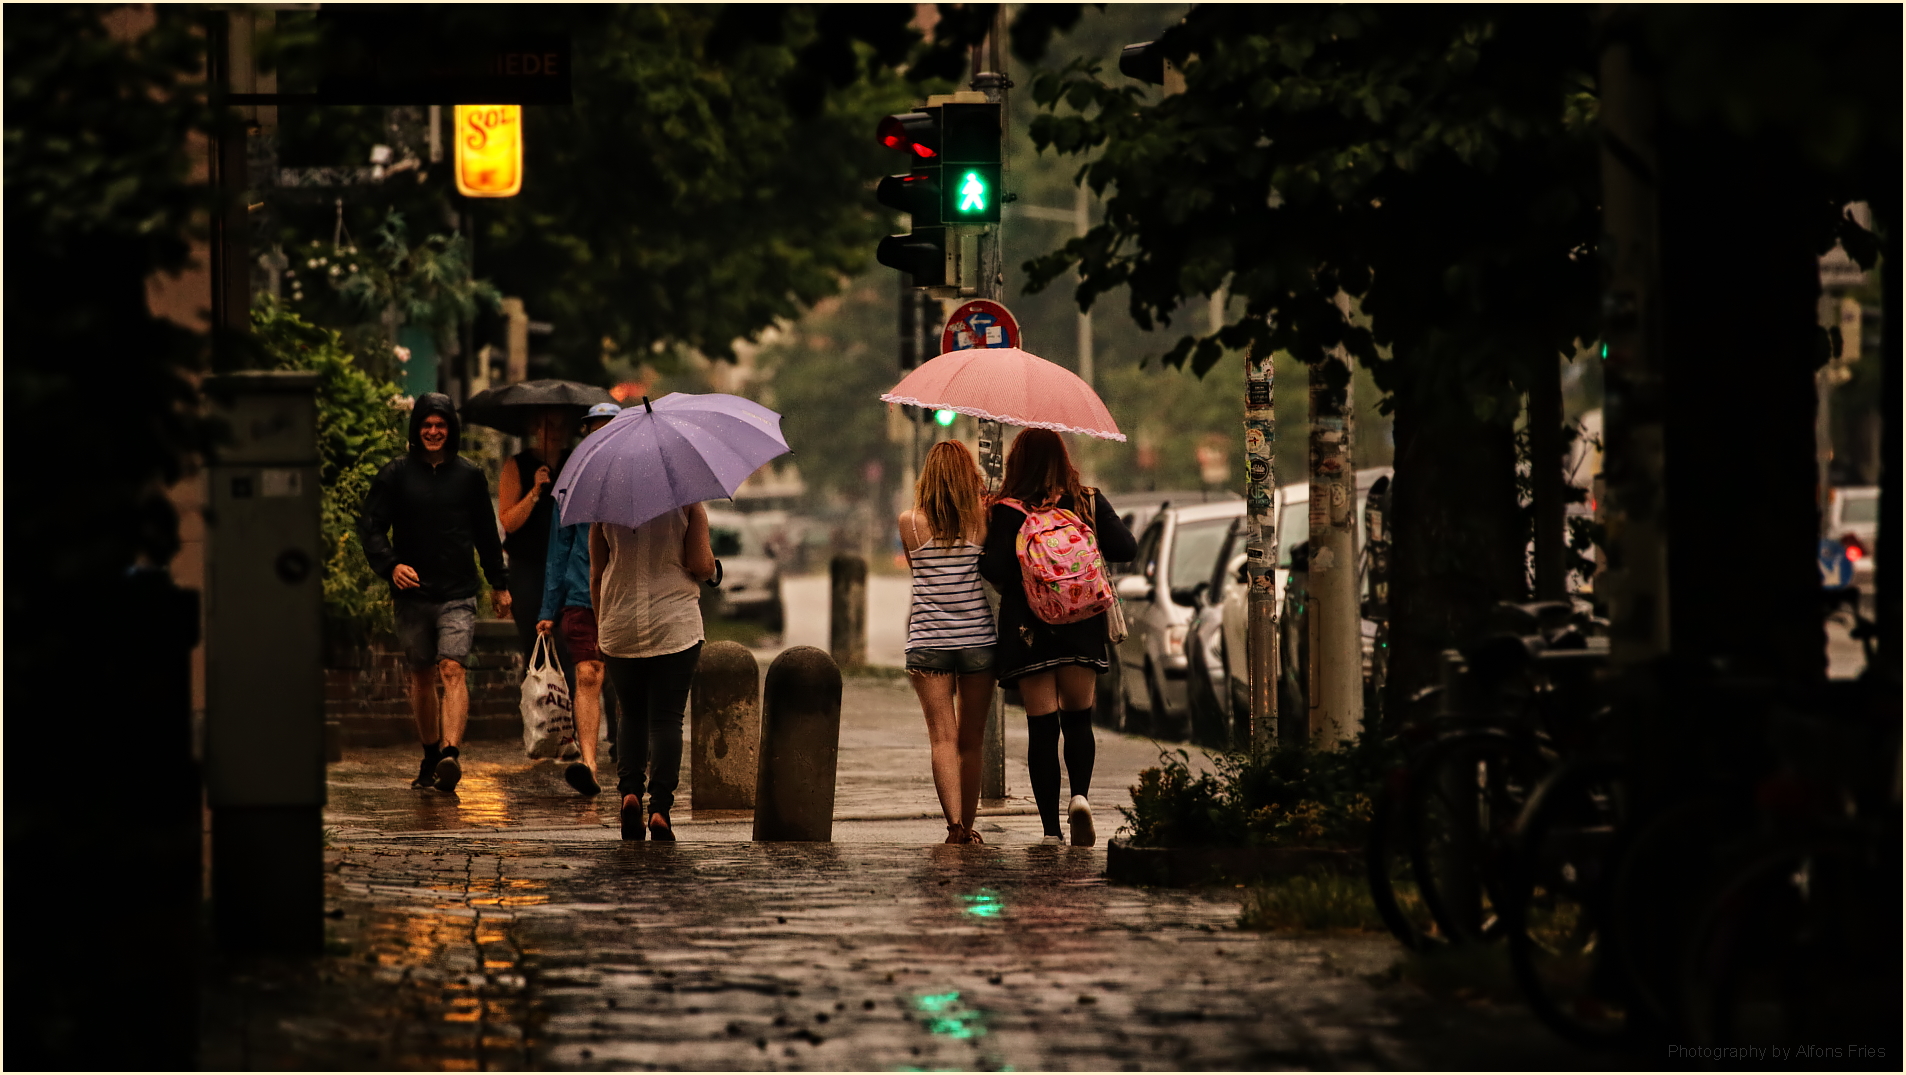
525,506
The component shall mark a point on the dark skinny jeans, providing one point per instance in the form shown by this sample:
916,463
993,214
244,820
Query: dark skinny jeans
653,693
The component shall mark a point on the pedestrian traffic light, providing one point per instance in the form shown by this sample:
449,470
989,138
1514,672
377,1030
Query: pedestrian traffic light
955,179
969,168
922,253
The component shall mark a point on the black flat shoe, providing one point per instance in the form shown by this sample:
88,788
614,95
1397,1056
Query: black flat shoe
449,772
661,832
632,820
582,779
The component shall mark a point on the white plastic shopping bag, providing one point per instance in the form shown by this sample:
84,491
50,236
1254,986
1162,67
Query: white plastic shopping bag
549,718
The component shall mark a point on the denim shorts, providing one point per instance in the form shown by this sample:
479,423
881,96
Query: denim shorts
434,631
964,661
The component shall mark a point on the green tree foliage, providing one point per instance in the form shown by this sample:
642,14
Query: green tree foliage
705,183
1435,164
99,197
828,373
359,430
428,284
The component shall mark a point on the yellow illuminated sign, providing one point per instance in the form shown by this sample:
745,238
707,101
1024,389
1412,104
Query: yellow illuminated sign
489,150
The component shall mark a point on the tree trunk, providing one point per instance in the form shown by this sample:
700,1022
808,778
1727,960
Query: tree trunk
1741,342
1458,539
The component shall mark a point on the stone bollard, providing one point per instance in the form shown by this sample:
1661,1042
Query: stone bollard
847,610
725,728
800,746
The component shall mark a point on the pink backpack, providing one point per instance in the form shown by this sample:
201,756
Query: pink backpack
1060,563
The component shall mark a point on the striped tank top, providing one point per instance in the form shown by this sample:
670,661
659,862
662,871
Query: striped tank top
949,607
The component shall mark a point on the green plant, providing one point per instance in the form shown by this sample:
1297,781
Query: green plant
1327,902
1284,797
359,430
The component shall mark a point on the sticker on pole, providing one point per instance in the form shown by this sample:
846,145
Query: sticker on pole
980,323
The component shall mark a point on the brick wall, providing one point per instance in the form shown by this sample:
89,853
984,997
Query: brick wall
364,690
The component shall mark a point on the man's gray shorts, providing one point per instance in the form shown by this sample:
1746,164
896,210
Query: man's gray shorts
433,631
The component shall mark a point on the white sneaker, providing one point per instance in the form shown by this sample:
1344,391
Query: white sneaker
1079,813
1053,840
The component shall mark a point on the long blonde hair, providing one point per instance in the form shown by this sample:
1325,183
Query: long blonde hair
947,495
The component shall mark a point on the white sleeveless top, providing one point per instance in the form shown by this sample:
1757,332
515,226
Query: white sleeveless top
949,607
649,607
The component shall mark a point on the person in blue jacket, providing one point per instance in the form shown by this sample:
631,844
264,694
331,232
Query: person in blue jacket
568,611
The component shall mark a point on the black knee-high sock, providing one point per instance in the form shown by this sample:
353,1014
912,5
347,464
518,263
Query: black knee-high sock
1080,749
1042,762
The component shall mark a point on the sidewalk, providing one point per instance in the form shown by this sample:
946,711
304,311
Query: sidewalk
507,928
883,793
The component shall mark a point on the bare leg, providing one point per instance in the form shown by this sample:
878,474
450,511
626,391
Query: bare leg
935,691
455,713
423,704
588,708
976,698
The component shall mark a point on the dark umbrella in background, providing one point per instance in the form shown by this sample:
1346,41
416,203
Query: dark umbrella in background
510,407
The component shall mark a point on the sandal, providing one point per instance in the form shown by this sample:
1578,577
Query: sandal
973,837
958,834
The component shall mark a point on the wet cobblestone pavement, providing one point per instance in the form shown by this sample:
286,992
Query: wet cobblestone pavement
521,935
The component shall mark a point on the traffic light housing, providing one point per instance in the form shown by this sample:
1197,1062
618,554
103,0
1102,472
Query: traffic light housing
954,180
922,253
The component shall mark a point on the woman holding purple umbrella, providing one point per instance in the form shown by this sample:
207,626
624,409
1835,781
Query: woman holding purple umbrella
643,583
641,481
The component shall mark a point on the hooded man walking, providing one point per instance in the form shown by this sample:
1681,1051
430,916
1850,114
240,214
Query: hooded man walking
426,520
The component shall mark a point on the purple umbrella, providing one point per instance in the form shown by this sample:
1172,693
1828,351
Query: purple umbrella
679,450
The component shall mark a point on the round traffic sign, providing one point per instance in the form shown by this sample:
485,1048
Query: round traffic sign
980,323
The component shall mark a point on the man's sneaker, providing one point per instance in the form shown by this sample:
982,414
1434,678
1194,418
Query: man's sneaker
582,779
448,772
1053,840
427,769
1080,815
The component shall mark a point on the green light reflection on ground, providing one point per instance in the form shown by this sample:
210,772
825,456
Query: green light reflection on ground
944,1014
984,904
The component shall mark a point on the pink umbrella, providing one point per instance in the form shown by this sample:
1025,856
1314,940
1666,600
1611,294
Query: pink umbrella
1005,384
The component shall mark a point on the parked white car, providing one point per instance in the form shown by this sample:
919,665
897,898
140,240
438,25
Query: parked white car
1225,676
1175,555
750,575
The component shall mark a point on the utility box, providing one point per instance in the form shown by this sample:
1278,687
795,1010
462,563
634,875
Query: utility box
264,714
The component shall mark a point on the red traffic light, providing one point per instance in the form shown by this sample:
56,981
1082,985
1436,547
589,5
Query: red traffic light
910,132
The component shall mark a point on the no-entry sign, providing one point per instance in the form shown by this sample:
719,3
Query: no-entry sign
980,323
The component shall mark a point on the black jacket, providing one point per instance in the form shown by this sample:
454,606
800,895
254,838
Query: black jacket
437,519
999,559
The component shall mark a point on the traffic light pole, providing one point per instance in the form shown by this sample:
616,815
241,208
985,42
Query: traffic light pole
993,82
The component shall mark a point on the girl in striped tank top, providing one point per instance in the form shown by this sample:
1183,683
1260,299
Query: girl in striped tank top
950,635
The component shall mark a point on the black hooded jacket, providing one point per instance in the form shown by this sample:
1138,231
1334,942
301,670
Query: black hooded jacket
437,519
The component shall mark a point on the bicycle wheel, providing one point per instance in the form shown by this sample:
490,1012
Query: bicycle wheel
1386,859
1800,942
1659,874
1556,898
1465,795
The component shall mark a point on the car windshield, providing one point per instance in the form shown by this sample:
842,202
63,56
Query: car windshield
1860,509
1193,548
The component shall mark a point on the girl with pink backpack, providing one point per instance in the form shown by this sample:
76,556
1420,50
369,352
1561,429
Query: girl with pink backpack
1048,539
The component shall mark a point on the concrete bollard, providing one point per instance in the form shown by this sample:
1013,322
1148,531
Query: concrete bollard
800,747
847,610
725,728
